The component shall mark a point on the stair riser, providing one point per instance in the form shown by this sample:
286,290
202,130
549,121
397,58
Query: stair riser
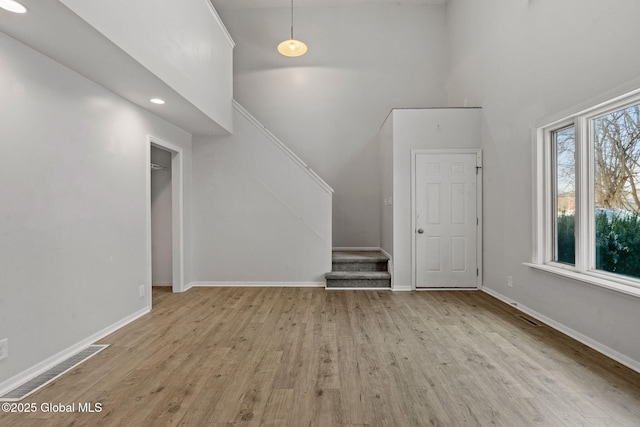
375,283
359,266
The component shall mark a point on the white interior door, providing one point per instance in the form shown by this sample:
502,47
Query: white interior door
446,220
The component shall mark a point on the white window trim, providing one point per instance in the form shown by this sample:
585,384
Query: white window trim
543,219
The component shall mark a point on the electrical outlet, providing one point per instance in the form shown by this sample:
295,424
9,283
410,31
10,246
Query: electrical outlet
141,290
510,281
4,348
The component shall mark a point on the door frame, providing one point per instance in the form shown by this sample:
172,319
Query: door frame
177,213
414,153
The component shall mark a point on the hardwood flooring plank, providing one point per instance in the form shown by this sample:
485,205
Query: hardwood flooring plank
278,408
311,357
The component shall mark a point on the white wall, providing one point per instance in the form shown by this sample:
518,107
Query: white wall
437,128
161,219
523,61
328,105
184,43
73,226
385,136
258,215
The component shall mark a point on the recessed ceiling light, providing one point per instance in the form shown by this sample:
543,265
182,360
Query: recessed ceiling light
12,6
155,100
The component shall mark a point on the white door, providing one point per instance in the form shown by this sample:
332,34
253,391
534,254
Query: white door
446,220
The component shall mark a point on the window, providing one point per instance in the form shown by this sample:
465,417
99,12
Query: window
564,154
588,192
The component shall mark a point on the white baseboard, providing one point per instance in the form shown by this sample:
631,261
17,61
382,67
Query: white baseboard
256,284
52,361
162,284
385,253
589,342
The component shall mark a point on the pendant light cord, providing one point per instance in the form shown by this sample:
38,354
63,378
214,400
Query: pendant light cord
292,47
292,19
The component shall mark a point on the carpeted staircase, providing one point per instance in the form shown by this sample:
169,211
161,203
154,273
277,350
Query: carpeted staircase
359,269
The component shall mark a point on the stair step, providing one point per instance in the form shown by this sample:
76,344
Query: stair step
360,266
360,275
358,279
359,261
359,269
358,256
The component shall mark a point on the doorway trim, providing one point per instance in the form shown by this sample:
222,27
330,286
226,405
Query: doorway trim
177,213
478,152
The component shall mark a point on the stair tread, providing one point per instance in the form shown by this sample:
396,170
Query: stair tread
358,256
350,275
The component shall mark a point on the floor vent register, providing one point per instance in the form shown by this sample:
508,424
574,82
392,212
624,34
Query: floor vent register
50,375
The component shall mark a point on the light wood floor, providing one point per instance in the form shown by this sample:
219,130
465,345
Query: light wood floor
310,357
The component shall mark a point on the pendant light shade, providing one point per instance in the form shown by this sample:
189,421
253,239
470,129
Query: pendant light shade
292,47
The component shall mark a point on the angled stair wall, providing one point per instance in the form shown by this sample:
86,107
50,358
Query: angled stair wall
260,214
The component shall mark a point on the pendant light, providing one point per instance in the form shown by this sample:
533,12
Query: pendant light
292,47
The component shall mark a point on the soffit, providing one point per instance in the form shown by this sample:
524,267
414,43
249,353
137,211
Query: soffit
55,31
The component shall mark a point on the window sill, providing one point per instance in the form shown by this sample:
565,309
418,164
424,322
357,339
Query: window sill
589,279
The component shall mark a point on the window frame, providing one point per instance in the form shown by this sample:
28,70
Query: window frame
545,193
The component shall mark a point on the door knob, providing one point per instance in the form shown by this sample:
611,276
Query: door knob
420,231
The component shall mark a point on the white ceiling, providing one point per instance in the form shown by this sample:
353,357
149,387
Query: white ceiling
58,33
244,4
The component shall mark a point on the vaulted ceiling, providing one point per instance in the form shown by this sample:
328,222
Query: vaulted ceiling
55,31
